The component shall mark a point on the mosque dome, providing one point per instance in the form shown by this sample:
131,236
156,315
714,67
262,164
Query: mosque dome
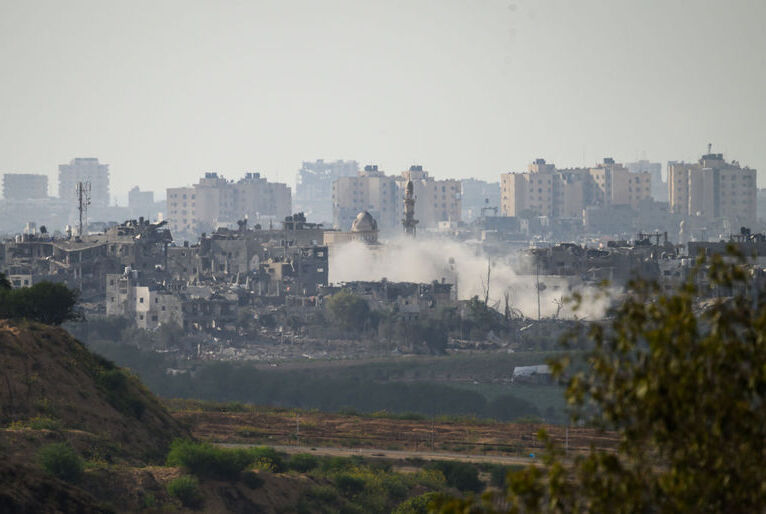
364,222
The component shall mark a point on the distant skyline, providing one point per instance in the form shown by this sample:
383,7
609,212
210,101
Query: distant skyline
164,91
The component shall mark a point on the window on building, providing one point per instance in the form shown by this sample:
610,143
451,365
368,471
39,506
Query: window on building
141,300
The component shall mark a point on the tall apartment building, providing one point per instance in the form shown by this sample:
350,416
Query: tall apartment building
85,169
659,186
713,189
435,200
616,185
216,201
546,191
313,187
372,191
24,186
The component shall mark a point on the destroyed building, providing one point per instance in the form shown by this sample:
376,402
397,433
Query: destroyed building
617,262
408,299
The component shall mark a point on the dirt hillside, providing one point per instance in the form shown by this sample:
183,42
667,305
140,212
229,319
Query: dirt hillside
46,374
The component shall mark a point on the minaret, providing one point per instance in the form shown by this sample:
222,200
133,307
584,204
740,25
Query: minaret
409,220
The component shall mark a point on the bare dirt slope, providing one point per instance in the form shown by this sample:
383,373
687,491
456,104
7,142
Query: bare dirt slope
45,372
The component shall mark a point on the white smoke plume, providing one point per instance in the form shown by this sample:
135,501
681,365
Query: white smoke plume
425,260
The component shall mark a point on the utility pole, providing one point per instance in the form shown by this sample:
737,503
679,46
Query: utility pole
433,435
538,290
489,271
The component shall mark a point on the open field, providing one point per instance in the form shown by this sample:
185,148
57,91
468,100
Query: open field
284,427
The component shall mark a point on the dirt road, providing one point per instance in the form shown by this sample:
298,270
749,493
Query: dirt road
396,454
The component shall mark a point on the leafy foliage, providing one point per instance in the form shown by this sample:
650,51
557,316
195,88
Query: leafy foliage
46,302
207,461
186,489
684,387
61,461
267,458
416,505
460,475
359,485
303,462
348,310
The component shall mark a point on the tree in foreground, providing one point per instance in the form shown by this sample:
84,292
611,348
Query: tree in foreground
47,302
683,386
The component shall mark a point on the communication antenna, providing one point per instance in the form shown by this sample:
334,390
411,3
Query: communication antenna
83,201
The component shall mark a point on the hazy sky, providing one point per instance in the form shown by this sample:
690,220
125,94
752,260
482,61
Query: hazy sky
164,90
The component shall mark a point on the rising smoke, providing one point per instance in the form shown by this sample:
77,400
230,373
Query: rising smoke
425,260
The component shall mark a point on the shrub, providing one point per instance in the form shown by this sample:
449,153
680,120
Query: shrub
61,461
396,487
208,461
303,462
348,310
45,302
267,459
322,493
251,480
44,423
336,464
186,489
498,474
460,475
349,485
415,505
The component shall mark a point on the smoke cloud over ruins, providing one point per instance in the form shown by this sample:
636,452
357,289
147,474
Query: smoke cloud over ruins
425,260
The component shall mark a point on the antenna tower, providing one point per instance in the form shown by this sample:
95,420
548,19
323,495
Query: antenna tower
83,201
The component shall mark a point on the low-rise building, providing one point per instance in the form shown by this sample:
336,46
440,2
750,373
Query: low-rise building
147,304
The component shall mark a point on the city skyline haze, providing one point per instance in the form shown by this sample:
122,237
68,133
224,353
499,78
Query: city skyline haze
164,91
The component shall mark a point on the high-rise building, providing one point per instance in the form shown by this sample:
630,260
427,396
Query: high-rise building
436,200
546,191
313,187
24,186
372,191
215,202
659,186
85,169
615,185
714,189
